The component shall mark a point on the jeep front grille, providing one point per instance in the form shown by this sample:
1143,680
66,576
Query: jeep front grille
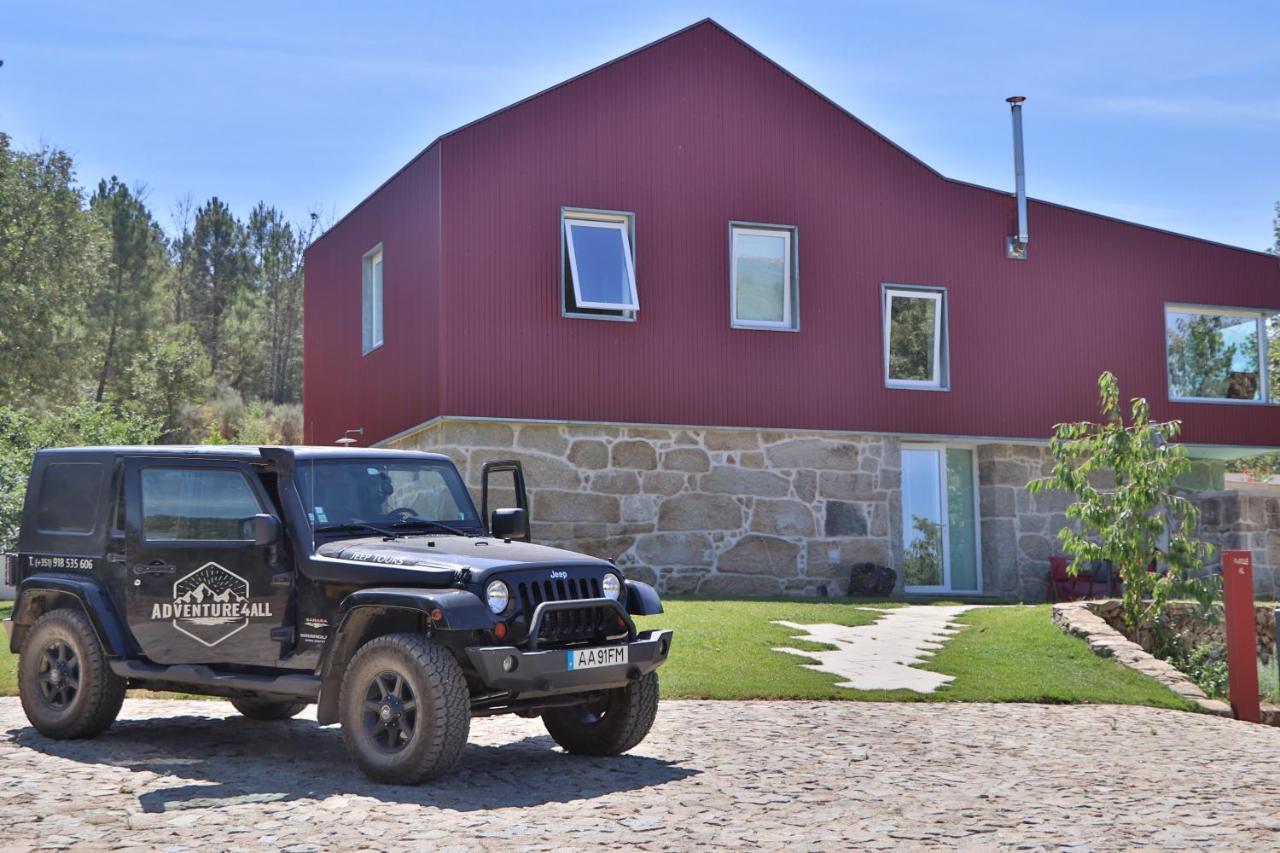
581,624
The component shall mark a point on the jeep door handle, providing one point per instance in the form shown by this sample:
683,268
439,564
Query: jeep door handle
155,567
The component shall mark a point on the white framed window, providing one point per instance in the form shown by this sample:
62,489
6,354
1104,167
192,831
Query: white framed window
1218,354
371,300
762,277
598,264
915,337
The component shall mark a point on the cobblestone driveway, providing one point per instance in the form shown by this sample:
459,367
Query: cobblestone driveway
769,774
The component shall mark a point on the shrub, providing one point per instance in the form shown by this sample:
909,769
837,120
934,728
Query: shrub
1205,664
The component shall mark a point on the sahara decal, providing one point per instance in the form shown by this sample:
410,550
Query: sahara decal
211,604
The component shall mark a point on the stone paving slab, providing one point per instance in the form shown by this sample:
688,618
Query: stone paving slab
801,775
880,656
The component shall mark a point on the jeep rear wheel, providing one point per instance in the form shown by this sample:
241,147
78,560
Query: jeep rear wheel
404,708
609,726
265,709
67,689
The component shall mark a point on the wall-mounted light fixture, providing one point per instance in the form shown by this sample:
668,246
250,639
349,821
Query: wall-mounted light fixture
348,437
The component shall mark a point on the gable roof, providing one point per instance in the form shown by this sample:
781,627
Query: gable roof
718,27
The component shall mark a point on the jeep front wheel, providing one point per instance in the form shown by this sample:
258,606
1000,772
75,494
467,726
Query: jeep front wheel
265,709
404,708
610,725
67,689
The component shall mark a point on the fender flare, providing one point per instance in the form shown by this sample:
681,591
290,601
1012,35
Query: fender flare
37,594
459,611
642,599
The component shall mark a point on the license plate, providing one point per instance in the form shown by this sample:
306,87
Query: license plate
592,658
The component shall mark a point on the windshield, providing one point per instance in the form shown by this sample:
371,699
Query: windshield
339,492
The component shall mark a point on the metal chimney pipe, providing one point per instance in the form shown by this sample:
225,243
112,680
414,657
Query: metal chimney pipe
1017,245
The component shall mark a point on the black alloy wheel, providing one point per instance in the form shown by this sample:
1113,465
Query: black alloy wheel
390,712
58,674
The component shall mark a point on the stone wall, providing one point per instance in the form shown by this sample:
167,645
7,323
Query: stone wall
711,511
758,512
1249,522
1197,628
1019,529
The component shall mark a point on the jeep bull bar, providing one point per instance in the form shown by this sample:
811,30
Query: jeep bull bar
533,672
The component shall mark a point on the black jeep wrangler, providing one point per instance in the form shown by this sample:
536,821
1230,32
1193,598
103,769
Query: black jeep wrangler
361,580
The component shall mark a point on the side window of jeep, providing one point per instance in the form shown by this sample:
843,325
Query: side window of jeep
196,504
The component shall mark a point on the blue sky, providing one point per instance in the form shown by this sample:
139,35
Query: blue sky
1164,113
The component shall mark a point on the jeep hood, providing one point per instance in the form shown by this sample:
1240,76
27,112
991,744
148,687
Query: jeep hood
480,555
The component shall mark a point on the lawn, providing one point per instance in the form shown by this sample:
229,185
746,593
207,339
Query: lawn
8,662
724,650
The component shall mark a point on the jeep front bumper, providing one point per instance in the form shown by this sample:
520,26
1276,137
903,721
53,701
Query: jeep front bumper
546,672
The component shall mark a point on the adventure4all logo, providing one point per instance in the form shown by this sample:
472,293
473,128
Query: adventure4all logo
210,604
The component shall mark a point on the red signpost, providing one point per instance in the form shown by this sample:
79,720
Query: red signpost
1242,654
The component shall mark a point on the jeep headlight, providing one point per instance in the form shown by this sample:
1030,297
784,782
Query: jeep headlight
611,586
497,596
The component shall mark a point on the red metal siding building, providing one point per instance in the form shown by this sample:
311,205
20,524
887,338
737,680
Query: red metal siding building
688,135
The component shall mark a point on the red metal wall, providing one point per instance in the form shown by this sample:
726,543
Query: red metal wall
397,384
689,134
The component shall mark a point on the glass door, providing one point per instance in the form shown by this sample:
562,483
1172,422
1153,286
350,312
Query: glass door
939,520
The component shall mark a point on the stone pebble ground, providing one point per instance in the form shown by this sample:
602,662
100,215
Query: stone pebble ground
184,775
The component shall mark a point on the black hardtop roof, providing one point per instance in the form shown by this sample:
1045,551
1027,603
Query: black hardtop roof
242,452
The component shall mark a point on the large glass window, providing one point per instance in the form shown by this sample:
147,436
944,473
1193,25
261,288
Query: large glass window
1218,353
915,337
371,301
379,492
599,267
196,504
762,277
69,497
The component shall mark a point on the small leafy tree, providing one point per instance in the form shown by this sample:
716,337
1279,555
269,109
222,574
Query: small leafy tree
1138,517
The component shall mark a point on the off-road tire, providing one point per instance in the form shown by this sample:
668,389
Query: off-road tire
266,709
98,692
442,713
611,727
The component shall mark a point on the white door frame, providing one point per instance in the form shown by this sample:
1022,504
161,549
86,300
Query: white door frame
940,449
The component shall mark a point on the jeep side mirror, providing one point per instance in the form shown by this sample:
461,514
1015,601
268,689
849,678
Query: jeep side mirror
264,529
516,471
509,524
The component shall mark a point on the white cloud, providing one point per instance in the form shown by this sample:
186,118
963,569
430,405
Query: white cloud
1191,108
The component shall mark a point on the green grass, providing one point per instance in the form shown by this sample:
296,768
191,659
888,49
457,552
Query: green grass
723,649
8,662
1269,682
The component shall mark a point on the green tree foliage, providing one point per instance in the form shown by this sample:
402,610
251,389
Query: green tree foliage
1139,518
165,377
24,431
277,250
97,303
219,271
52,257
123,310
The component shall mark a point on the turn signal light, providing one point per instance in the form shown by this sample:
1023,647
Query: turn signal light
437,615
500,630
